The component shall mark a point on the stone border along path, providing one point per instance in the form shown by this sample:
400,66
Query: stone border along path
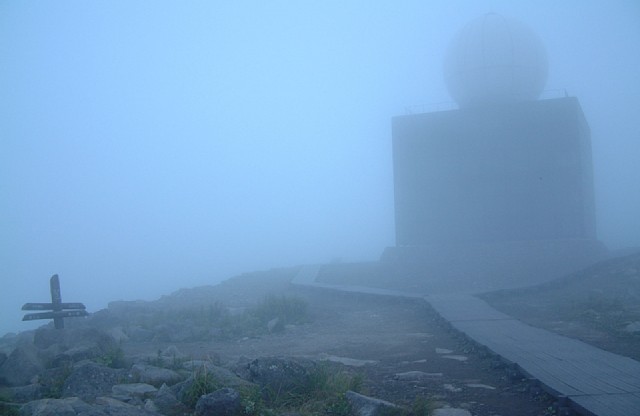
590,380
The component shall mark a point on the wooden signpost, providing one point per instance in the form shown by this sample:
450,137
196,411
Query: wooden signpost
57,309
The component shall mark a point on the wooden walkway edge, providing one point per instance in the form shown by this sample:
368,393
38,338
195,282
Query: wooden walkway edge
591,380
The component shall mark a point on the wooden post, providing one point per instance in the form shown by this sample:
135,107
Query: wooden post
56,301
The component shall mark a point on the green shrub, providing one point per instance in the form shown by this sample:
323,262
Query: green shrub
113,358
324,392
203,383
6,407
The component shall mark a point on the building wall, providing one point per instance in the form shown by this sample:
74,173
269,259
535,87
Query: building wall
497,173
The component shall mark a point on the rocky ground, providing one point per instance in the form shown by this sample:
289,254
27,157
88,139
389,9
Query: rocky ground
233,349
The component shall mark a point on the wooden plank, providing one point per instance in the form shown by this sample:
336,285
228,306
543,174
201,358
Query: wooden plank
609,404
463,308
597,381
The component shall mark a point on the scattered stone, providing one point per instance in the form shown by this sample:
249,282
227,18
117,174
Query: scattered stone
451,411
452,388
351,362
368,406
443,351
21,366
70,406
461,358
223,402
89,380
416,376
480,386
155,376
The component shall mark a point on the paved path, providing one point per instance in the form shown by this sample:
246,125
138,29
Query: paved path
595,382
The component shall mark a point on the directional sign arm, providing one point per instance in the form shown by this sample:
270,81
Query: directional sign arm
49,306
54,315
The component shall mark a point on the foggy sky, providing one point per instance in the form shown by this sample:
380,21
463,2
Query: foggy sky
147,146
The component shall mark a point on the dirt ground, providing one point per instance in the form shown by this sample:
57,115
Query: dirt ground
400,347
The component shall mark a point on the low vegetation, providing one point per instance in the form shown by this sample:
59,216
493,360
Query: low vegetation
323,392
215,321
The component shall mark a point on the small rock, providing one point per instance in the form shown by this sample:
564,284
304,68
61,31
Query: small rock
456,357
351,362
480,386
368,406
223,402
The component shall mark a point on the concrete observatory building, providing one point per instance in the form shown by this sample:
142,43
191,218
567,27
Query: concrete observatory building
504,184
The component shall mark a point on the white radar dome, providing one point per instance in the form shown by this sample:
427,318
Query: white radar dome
494,59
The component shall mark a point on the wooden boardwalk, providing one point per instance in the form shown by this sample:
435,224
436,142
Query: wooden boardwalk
592,381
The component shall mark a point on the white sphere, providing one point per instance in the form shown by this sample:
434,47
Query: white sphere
494,59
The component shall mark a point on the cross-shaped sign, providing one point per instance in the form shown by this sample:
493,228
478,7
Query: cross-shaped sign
56,307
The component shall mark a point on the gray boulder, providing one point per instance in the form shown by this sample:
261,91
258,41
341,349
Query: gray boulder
155,376
73,345
140,391
280,374
223,402
166,403
113,407
21,366
368,406
89,380
139,334
24,394
71,406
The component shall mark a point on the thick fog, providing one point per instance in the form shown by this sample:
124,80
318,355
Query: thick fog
147,146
